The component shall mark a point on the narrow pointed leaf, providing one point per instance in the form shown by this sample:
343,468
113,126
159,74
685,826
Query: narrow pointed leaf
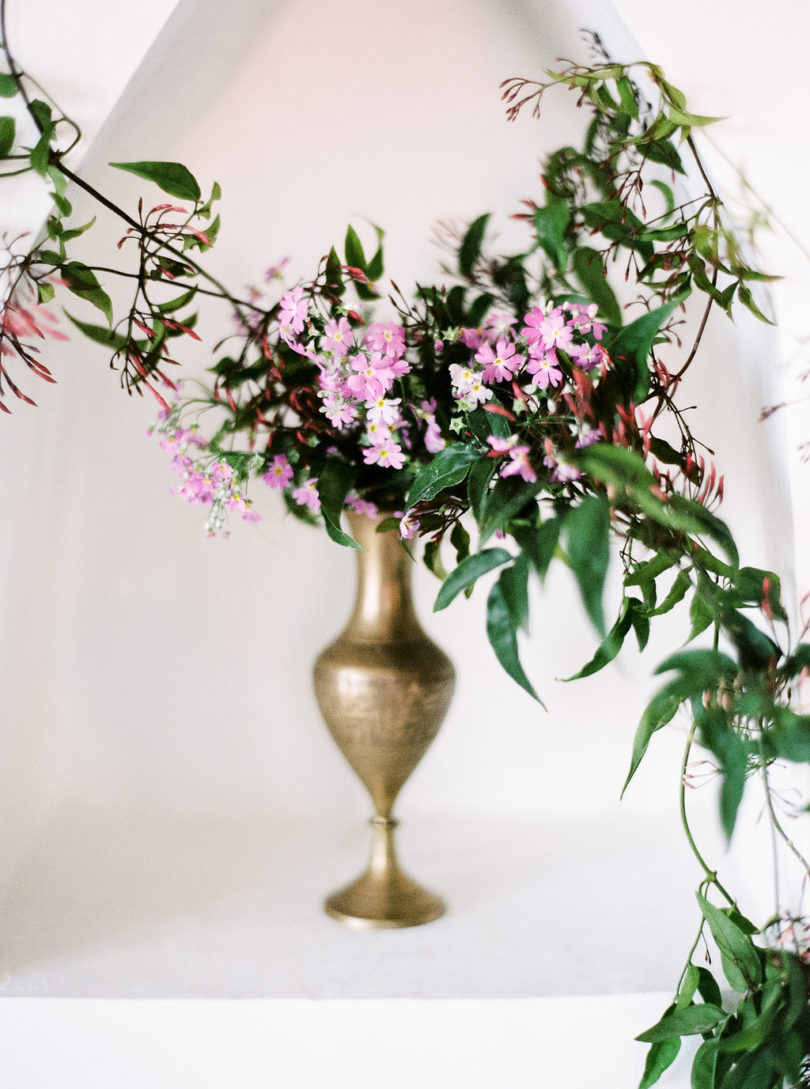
503,639
334,482
173,178
468,572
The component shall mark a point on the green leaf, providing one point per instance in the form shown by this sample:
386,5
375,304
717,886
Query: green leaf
503,638
686,1022
704,1066
660,1057
634,342
460,540
41,152
610,645
354,250
7,135
449,467
751,583
676,593
173,178
470,248
334,482
45,291
334,276
686,993
82,282
737,952
515,585
506,500
700,669
483,424
433,559
481,474
747,299
588,535
666,191
691,120
8,85
708,987
539,542
701,616
468,572
648,571
661,709
550,223
100,334
589,269
627,95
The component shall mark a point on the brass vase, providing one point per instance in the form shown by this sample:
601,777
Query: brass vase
383,688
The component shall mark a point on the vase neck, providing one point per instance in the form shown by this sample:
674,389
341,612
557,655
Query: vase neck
383,608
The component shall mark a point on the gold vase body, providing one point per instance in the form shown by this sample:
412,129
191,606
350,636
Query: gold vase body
383,688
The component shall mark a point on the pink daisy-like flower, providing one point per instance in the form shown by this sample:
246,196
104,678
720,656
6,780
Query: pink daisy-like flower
388,454
383,411
280,472
499,364
388,338
292,312
307,495
544,370
339,336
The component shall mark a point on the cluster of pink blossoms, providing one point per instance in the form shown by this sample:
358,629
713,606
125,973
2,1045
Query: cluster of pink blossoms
530,360
357,371
496,357
206,481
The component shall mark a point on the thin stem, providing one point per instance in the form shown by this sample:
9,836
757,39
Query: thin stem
711,874
771,813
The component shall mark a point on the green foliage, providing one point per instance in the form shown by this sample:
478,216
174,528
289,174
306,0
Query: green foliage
8,129
8,85
470,248
449,468
173,178
587,529
334,482
502,627
468,572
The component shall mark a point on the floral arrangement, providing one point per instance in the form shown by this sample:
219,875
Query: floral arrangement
527,399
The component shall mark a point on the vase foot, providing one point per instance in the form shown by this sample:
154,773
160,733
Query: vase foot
384,901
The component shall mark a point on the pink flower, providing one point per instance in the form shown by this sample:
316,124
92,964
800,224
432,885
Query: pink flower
408,526
555,332
338,336
434,441
280,472
292,313
544,370
472,338
500,364
372,378
519,465
361,506
388,454
307,495
388,338
383,411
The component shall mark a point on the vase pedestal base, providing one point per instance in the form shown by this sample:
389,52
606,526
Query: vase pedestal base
383,897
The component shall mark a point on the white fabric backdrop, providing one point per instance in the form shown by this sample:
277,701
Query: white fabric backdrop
147,668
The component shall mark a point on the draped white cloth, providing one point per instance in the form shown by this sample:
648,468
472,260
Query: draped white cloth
148,670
